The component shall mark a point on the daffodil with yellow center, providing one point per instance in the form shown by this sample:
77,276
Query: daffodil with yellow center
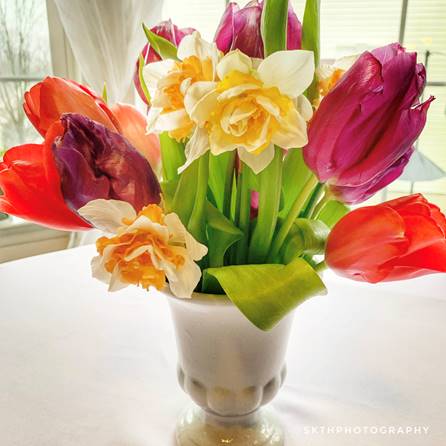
168,81
251,109
144,248
329,75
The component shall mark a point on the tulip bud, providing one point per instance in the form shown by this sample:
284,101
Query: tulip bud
362,134
240,29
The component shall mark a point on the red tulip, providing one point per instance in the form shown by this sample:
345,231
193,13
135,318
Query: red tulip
49,99
31,184
170,32
395,240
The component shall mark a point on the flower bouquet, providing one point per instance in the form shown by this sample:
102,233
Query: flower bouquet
232,195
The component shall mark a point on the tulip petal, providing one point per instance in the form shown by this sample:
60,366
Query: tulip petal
48,100
94,162
133,127
365,240
295,74
225,30
31,186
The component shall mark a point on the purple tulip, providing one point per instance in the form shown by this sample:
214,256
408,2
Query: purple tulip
362,135
95,162
171,33
240,29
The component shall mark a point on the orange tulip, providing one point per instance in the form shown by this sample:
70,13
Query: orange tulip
133,127
49,99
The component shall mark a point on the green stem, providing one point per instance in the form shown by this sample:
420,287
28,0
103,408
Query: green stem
289,219
317,209
270,181
229,177
197,220
315,196
244,215
321,266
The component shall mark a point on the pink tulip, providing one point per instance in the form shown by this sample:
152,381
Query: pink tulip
170,32
362,135
240,29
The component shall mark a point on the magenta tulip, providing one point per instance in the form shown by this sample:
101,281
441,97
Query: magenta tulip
170,32
362,135
240,29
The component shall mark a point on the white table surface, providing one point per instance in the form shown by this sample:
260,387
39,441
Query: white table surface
79,366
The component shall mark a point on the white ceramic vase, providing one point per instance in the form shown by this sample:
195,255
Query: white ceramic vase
230,369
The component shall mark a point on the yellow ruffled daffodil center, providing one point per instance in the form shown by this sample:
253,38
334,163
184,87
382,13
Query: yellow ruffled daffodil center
140,270
247,112
173,86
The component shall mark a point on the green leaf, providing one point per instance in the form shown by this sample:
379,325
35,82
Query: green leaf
172,155
222,234
295,175
142,81
311,40
197,220
162,46
270,180
332,212
305,237
274,25
266,293
221,171
183,201
169,188
104,93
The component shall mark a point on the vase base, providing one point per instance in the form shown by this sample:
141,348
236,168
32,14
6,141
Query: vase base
199,428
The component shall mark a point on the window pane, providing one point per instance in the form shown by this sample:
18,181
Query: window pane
24,59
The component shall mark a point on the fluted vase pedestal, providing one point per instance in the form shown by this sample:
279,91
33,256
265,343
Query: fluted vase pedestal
230,369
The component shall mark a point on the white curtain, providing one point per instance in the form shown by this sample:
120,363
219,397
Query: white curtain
106,37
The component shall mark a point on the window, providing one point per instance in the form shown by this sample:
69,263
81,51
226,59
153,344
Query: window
23,61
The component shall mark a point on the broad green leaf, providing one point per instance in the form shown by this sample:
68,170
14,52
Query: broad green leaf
162,46
222,234
332,212
295,175
311,40
270,180
305,237
142,82
266,293
274,25
172,155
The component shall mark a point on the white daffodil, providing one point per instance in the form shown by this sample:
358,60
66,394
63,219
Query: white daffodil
328,75
145,248
168,81
252,107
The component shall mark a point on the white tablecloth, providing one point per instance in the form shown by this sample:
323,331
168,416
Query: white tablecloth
81,367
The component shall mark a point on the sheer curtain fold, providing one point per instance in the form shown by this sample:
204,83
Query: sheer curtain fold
106,37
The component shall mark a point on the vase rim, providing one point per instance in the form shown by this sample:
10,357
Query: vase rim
200,298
